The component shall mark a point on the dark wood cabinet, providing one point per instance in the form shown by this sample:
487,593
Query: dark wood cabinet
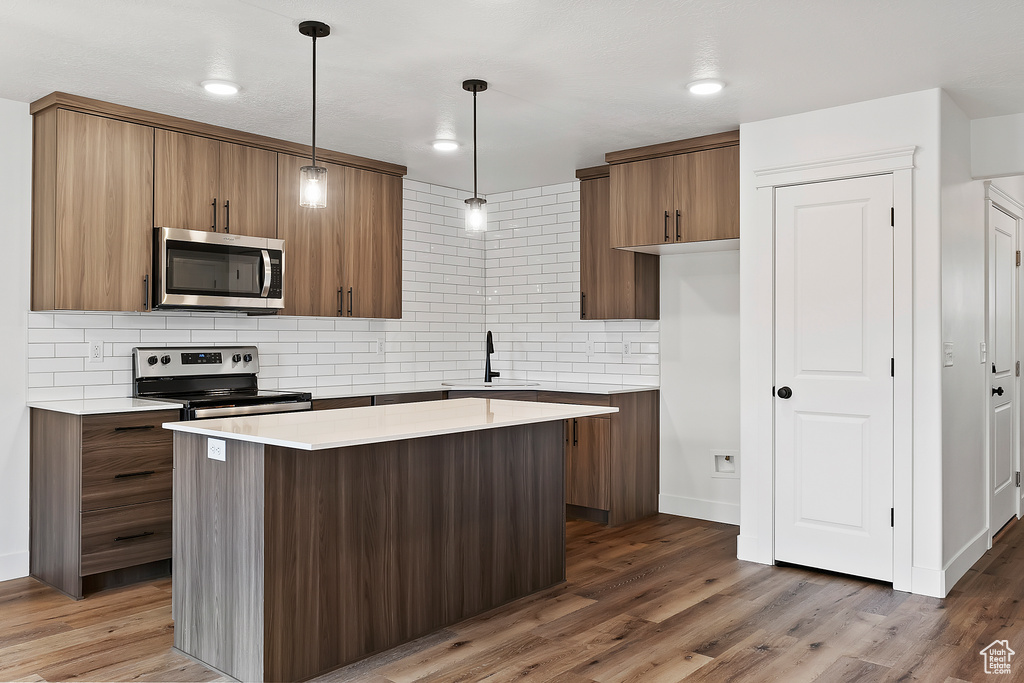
92,213
674,193
612,461
614,284
207,184
345,402
100,498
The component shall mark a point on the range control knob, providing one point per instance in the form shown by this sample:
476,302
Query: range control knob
165,359
151,360
248,357
236,358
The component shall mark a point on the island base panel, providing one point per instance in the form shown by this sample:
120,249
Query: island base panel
367,547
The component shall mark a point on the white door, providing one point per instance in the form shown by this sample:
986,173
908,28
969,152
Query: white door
833,375
1002,276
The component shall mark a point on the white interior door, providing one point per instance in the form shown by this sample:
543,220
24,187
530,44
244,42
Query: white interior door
1002,282
833,375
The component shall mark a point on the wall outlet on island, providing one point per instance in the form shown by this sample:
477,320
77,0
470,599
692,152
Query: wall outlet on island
216,449
95,352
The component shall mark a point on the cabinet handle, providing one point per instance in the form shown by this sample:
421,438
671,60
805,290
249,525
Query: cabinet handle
227,215
341,301
583,305
214,205
678,236
134,428
142,535
575,440
145,292
350,301
666,226
134,474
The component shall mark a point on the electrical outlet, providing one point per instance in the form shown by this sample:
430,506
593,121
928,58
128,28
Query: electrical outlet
95,352
380,346
627,348
590,348
216,449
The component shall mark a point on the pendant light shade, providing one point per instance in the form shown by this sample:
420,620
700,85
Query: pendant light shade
476,207
313,178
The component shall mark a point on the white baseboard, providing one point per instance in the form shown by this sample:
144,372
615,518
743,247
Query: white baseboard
963,560
13,565
711,510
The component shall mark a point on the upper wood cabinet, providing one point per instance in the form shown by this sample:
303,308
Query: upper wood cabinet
346,259
676,193
614,284
207,184
92,213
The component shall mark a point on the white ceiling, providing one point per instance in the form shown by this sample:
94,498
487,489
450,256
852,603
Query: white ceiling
570,79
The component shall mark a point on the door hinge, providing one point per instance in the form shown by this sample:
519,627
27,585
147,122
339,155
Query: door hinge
892,217
1018,257
773,392
1018,480
892,367
892,517
1018,369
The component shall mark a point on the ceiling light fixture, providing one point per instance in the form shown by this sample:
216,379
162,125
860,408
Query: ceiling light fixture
445,145
220,87
706,86
313,179
476,207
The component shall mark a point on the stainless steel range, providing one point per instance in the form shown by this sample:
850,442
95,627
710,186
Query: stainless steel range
209,381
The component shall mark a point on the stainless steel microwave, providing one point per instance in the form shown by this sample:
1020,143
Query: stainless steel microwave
211,270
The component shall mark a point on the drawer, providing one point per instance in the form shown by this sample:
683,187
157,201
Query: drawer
335,403
127,430
581,399
504,394
125,476
125,536
394,399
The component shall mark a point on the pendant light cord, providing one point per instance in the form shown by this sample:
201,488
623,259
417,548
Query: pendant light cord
475,195
314,99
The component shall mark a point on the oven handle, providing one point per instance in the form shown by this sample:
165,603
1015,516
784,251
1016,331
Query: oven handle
266,408
266,273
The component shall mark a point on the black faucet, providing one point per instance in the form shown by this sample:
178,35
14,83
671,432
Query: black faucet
488,375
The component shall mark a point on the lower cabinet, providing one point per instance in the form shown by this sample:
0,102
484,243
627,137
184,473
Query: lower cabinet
100,498
346,402
611,462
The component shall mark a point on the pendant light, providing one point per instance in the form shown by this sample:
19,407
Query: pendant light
476,207
313,179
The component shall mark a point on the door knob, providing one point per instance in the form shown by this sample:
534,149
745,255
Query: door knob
784,392
998,391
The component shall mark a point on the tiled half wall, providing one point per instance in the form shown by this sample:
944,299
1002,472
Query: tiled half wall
520,279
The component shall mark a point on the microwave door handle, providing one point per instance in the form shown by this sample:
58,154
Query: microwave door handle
266,273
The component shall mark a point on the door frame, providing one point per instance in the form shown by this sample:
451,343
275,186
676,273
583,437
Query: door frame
996,199
898,162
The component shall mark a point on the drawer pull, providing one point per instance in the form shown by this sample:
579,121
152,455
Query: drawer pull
134,474
128,429
128,538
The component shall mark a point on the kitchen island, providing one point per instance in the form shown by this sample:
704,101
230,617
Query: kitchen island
323,537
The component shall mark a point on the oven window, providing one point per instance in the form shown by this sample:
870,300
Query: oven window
213,270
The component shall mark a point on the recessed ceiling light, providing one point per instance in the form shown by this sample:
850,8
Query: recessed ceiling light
706,86
445,145
221,87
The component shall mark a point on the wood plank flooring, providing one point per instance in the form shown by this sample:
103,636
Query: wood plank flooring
663,599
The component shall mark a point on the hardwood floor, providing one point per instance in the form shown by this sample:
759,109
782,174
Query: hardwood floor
663,599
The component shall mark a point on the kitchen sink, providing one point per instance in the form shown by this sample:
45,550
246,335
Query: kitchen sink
470,384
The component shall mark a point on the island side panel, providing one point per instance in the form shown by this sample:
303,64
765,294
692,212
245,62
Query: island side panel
217,591
371,546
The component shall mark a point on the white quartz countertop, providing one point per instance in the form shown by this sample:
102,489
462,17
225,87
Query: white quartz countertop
384,389
316,430
99,406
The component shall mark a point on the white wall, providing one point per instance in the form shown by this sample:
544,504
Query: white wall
964,499
15,257
700,383
997,146
888,123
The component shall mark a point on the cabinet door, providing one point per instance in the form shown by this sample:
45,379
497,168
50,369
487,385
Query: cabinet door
312,269
104,221
587,462
713,208
607,277
186,170
248,190
643,205
372,244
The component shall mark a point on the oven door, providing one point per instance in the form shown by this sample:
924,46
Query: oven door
199,269
258,409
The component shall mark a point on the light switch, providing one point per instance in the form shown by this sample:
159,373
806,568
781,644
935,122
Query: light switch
947,354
